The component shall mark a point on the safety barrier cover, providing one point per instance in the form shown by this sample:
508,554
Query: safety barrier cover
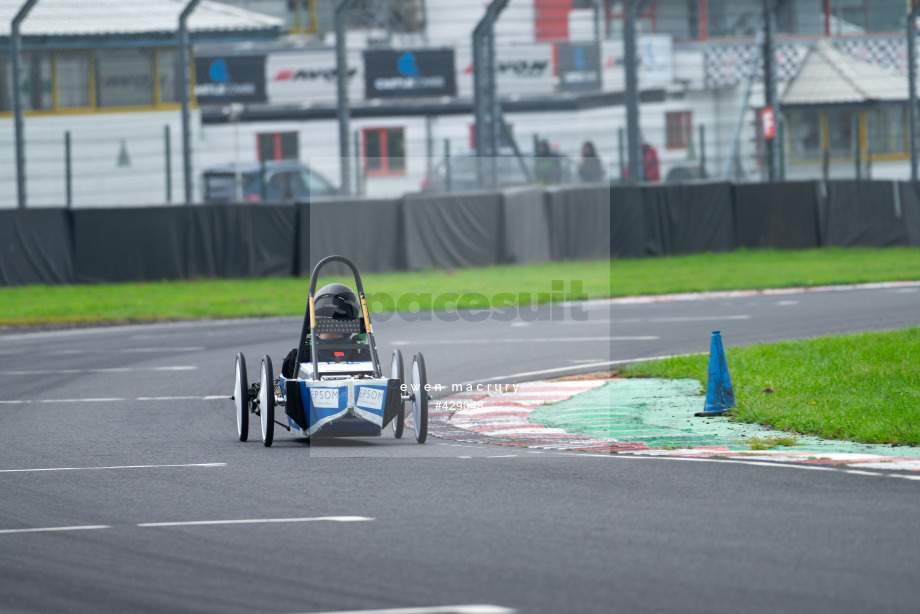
688,218
863,214
910,206
453,231
232,241
129,244
448,231
527,228
35,247
778,215
367,232
579,222
627,222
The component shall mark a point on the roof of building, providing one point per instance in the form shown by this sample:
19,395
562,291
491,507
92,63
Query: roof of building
831,76
99,18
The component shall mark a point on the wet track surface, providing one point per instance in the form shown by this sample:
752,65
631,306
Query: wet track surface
123,440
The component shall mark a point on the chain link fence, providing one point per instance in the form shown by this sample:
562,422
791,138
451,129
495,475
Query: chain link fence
100,91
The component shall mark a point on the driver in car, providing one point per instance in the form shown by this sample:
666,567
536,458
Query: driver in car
336,302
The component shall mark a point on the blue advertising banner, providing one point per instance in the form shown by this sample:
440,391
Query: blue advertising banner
579,67
390,73
230,78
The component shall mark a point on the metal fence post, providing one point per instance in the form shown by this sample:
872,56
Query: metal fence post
359,176
633,138
486,104
16,44
263,189
341,74
167,141
912,84
68,173
447,174
598,8
781,147
769,73
185,89
702,151
858,154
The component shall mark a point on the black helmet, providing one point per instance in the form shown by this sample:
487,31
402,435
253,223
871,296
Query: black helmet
336,301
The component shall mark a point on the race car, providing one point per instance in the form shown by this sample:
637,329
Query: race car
331,384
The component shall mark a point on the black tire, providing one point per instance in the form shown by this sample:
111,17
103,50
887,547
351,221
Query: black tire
241,398
267,402
397,372
420,398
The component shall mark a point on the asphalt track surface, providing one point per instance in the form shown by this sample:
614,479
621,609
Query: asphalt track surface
124,488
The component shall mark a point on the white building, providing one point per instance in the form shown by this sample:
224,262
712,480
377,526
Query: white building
106,77
103,73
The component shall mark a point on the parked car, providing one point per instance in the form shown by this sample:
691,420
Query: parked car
463,171
284,181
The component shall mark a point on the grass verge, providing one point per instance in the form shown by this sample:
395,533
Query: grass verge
863,387
743,269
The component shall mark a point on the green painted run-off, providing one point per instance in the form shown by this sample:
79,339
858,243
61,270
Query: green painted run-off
660,412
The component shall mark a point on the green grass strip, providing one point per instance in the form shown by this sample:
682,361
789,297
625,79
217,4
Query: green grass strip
185,300
863,387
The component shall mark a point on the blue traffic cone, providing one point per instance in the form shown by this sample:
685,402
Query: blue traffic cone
720,395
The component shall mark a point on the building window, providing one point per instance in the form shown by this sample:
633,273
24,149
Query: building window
883,133
840,132
861,16
727,18
301,16
405,16
804,129
680,129
887,130
166,68
72,78
36,82
279,146
615,16
90,80
124,78
384,152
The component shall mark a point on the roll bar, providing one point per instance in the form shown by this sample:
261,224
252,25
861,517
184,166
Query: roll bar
309,320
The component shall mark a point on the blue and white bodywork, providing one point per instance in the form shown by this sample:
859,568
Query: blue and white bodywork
332,384
340,407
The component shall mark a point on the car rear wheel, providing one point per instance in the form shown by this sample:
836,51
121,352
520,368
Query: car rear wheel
396,372
241,398
267,402
419,398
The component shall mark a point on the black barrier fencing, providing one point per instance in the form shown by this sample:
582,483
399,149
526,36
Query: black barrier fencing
36,247
521,225
688,218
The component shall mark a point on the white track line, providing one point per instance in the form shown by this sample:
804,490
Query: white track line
662,319
702,296
736,461
606,363
448,609
158,350
194,523
50,529
106,370
594,339
213,397
696,318
112,467
145,525
99,400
